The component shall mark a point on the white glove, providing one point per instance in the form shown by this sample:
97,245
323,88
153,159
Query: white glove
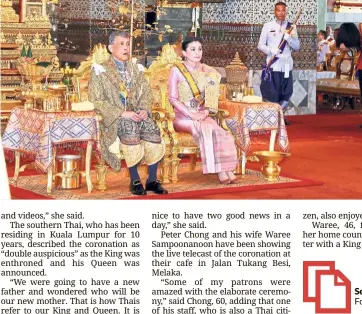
286,36
294,30
274,51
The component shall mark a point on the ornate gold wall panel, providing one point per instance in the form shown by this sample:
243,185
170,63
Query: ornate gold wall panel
257,11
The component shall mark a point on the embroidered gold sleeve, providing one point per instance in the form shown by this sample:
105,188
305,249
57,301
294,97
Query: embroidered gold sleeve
97,94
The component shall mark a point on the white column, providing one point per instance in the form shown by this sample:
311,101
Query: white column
22,11
44,8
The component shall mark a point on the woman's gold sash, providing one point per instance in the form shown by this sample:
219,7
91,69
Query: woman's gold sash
190,80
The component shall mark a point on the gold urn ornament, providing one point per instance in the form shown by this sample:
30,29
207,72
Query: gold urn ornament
236,71
236,76
33,70
69,176
101,174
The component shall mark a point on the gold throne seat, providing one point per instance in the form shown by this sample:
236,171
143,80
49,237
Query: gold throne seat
186,140
82,74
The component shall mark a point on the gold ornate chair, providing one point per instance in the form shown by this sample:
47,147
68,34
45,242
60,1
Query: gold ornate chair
81,75
332,60
162,111
180,143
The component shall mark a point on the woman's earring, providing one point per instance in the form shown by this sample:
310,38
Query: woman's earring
185,58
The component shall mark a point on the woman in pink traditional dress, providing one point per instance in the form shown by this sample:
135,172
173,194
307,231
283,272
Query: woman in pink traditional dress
187,83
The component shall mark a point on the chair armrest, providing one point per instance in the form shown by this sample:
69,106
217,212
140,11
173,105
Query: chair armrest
99,117
164,120
158,114
222,115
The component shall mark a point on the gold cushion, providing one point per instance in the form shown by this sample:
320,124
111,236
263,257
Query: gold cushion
186,140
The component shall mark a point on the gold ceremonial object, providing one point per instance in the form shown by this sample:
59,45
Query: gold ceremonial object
57,87
32,72
270,160
236,76
101,169
73,97
236,71
8,14
69,176
101,174
238,169
26,33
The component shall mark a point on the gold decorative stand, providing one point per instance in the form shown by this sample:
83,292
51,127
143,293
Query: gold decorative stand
86,173
69,176
239,167
101,173
101,168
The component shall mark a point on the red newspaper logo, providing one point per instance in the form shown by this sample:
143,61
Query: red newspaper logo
327,287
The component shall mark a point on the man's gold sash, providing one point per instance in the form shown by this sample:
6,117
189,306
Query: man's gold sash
190,80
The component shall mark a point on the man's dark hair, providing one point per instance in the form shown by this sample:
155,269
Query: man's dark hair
280,3
123,34
348,35
324,33
188,40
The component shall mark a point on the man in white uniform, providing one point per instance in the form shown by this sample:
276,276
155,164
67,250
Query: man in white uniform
277,80
323,47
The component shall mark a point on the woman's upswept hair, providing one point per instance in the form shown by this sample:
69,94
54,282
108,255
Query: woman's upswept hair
189,40
348,35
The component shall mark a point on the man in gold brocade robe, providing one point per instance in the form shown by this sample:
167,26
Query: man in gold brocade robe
122,96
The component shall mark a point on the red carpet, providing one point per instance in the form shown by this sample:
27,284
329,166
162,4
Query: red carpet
326,125
325,147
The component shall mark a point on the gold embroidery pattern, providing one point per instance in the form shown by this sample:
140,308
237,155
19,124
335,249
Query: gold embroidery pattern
104,91
149,152
154,152
133,154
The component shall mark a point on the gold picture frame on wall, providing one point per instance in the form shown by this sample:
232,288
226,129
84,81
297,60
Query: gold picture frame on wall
33,10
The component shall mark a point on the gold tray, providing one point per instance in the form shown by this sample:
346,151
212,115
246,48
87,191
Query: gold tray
57,87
